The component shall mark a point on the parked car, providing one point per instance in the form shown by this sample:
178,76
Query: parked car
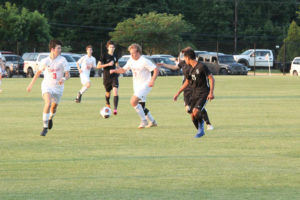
223,64
122,62
165,56
33,60
163,71
295,67
14,64
77,57
256,57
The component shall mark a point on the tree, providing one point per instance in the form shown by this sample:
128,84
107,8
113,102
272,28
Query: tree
157,33
22,30
290,49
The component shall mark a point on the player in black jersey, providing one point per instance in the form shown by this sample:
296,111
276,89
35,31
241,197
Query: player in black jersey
110,81
201,81
188,91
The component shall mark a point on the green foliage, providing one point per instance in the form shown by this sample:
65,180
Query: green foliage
21,29
156,32
290,49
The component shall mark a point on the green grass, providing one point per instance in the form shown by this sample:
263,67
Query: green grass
253,153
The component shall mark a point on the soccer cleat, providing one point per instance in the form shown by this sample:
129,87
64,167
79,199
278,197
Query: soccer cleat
143,124
44,132
151,124
78,98
200,132
115,112
209,127
50,124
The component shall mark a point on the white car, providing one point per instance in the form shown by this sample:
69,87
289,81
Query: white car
295,67
256,57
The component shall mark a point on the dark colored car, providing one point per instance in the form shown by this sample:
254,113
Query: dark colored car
14,64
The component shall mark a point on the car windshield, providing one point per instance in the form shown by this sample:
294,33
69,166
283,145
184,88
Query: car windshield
248,52
226,59
76,58
69,58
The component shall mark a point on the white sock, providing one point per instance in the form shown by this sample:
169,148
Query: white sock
83,89
45,119
150,117
139,109
51,115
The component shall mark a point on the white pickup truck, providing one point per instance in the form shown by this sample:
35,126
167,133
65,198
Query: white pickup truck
256,57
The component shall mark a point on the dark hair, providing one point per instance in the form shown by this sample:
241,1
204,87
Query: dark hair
53,43
88,46
109,42
190,54
185,49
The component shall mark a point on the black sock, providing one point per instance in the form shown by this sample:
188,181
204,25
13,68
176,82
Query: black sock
195,122
116,101
107,100
205,116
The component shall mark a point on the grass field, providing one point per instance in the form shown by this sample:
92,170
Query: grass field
253,153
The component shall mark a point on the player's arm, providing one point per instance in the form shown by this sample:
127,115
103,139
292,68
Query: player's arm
154,76
172,67
100,65
37,74
78,67
117,71
184,85
211,87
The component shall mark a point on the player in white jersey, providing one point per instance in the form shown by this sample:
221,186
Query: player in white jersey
56,72
2,68
84,65
142,83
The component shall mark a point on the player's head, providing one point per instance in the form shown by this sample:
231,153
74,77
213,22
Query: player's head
135,51
110,45
181,54
89,49
189,55
55,47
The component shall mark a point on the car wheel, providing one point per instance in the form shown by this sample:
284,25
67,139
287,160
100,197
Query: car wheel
8,72
295,73
223,72
30,73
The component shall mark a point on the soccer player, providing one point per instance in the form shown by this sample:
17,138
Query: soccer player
84,65
110,81
56,72
202,84
142,83
188,91
1,68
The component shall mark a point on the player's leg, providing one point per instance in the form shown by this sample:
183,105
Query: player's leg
85,81
134,101
206,119
46,114
149,117
115,86
52,114
108,87
196,114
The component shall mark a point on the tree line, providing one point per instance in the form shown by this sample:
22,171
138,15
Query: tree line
163,26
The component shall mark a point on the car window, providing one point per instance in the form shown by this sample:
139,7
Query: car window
69,58
248,52
8,58
41,57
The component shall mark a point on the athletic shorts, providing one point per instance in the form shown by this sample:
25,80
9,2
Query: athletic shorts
84,78
142,92
187,95
111,82
198,102
55,92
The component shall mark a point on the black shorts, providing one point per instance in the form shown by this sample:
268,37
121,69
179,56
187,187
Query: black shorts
198,101
111,82
187,95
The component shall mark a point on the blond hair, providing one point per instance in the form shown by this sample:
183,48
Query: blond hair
135,46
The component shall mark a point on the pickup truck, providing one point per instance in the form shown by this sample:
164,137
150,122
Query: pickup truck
256,57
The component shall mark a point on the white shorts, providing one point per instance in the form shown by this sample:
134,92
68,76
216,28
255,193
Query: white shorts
84,77
142,92
55,92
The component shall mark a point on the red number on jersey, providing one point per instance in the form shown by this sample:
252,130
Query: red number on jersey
54,75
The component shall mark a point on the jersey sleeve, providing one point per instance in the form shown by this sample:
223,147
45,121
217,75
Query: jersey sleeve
43,64
81,60
206,70
65,65
149,65
94,62
102,59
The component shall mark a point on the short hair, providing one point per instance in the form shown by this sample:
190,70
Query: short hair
109,42
135,46
53,43
88,46
190,54
185,49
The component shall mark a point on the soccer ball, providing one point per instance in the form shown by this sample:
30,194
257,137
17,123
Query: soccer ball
105,112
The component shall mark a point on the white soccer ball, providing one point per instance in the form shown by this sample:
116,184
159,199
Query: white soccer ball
105,112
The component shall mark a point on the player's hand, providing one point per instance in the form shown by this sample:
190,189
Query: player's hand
175,97
61,81
29,88
159,64
210,96
112,71
151,84
111,63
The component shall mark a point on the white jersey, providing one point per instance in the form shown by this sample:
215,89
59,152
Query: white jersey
87,63
141,71
53,70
